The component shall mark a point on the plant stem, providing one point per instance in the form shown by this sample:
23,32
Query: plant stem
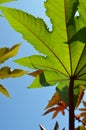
71,104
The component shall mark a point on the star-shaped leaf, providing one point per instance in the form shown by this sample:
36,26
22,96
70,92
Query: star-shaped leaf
63,49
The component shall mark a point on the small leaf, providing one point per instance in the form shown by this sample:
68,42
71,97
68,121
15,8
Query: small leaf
80,128
80,96
6,72
4,91
50,110
56,126
84,120
83,114
35,73
41,127
54,100
84,103
56,112
82,109
6,53
60,108
4,1
63,94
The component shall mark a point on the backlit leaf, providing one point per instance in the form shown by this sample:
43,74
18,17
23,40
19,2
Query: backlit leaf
63,48
63,94
6,53
3,1
4,91
84,120
83,114
54,100
60,108
80,96
35,73
82,109
7,72
84,103
80,128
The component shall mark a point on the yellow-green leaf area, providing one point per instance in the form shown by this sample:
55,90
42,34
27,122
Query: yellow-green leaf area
40,37
4,91
62,54
7,72
4,1
80,128
6,53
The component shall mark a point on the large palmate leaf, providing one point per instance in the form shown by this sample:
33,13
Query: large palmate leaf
63,48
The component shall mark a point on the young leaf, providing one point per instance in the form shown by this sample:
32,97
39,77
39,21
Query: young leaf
6,72
60,108
55,100
3,1
6,53
84,103
80,128
4,91
80,96
35,73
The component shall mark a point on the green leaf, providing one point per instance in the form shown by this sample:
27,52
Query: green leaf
46,78
79,36
4,1
80,128
63,49
7,72
64,94
43,41
4,91
1,15
6,53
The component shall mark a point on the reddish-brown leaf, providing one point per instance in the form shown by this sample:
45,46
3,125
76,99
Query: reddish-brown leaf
59,108
54,100
80,96
35,73
84,103
83,114
84,120
82,109
50,110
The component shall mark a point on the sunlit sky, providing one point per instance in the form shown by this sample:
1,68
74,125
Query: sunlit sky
25,108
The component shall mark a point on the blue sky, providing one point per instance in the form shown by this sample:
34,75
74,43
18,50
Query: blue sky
23,111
